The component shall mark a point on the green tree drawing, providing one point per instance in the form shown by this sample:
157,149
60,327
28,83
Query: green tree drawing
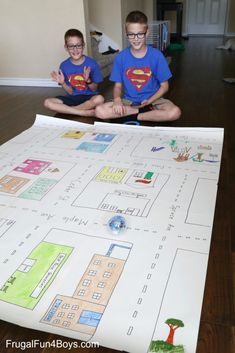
173,324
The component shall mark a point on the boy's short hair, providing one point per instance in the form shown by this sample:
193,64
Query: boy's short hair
73,33
137,17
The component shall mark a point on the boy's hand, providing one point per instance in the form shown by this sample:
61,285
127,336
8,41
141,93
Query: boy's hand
144,103
58,76
119,108
87,71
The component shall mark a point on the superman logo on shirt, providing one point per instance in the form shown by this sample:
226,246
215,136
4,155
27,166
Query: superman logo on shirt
78,82
138,76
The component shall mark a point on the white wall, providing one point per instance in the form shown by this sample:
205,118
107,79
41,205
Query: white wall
230,30
131,5
105,16
108,17
32,35
150,9
145,6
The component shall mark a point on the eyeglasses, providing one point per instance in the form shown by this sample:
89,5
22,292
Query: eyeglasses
139,35
75,46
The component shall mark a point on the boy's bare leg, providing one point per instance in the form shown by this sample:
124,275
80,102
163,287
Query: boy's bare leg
162,112
57,105
167,111
105,111
91,103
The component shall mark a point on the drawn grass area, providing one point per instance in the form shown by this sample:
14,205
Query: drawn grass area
28,283
164,347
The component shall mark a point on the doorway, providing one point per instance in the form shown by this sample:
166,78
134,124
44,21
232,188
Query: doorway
206,17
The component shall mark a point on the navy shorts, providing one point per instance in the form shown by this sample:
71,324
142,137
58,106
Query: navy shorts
75,100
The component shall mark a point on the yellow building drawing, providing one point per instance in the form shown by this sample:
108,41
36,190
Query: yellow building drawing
111,175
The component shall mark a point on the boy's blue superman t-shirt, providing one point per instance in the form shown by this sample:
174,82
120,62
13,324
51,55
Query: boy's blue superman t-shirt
140,77
74,75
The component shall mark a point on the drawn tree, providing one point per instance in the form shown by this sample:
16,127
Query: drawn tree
173,324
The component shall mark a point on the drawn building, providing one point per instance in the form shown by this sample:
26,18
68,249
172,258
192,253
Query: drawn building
84,309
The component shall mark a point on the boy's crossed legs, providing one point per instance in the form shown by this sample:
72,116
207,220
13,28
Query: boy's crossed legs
76,105
161,110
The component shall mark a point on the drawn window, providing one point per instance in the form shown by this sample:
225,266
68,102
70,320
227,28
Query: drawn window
101,285
92,273
81,292
56,321
90,318
106,274
96,295
70,315
66,323
97,262
75,307
60,314
138,174
105,206
86,282
66,306
26,265
111,264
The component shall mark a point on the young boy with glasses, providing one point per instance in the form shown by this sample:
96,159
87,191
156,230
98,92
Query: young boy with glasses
140,72
79,76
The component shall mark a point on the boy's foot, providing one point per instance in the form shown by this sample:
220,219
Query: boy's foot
84,112
146,108
132,118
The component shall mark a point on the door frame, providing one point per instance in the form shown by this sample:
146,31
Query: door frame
185,33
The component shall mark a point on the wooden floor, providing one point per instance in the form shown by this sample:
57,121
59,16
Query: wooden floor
197,87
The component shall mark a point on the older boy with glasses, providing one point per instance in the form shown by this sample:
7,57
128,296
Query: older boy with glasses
140,72
79,76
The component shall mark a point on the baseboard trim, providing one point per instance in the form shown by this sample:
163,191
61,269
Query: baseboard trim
206,35
33,82
229,34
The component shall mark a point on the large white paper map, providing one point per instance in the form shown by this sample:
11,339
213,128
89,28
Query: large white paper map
61,268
